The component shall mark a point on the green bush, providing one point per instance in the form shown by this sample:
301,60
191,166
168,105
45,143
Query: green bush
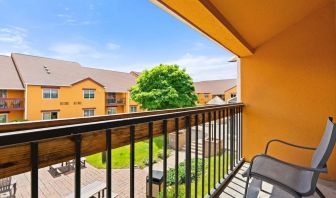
182,172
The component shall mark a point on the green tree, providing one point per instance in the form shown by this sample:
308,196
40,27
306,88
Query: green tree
164,87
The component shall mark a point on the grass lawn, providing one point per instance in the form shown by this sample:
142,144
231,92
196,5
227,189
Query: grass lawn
171,189
121,156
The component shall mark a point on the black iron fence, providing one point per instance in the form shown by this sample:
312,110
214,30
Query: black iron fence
221,142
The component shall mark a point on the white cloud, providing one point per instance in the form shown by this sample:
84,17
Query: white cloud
12,35
112,46
68,19
15,39
198,67
74,49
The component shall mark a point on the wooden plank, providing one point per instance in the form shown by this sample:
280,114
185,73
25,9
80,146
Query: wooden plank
16,159
17,126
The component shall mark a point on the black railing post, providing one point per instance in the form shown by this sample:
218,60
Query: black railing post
165,138
241,131
78,141
209,153
177,129
34,168
188,157
109,163
231,140
196,155
150,174
132,150
203,152
215,149
223,150
219,145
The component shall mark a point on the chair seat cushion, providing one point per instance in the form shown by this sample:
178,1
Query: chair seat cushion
267,168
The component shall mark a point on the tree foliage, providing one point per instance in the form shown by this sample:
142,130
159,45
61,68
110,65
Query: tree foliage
164,87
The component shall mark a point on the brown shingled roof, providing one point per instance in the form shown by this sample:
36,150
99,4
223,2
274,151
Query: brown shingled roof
46,71
113,81
9,78
215,86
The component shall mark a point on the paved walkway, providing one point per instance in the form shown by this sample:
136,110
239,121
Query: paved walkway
63,185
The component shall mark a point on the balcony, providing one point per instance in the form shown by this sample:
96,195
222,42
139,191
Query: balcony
36,147
111,102
211,154
11,104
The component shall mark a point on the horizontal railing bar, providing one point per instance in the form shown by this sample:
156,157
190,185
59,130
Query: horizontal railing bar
20,126
11,138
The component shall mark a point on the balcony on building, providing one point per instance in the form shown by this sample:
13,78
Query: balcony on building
115,99
11,104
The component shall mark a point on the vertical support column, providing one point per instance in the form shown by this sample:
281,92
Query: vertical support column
78,141
109,163
209,153
215,149
196,154
231,140
150,174
203,152
165,158
188,157
34,169
219,145
177,129
132,150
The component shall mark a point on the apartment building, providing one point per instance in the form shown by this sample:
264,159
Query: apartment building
226,89
39,88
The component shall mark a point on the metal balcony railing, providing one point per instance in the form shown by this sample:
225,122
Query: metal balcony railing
218,130
11,104
115,101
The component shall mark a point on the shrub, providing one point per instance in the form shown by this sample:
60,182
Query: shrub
182,172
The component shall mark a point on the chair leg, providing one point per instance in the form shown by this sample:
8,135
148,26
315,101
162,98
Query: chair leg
246,185
320,194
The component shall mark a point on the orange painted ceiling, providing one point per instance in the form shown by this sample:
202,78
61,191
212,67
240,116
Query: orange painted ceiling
241,25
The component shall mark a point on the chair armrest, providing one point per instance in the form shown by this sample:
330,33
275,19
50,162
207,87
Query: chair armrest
288,144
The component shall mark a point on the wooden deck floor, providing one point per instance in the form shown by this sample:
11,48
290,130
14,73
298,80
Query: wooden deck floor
63,185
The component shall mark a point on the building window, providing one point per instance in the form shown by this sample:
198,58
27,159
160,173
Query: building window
50,93
89,112
133,109
3,93
3,118
111,111
89,93
206,96
52,115
233,95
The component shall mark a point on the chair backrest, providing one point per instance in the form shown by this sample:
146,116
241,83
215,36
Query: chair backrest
5,184
323,151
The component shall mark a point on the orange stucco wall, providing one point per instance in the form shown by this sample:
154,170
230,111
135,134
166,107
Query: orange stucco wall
202,100
289,88
70,95
228,93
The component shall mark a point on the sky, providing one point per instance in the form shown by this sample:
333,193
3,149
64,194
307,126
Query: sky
121,35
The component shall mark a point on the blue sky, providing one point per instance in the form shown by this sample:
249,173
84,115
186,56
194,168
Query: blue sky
121,35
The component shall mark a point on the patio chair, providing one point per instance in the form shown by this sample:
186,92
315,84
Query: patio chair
8,186
294,179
